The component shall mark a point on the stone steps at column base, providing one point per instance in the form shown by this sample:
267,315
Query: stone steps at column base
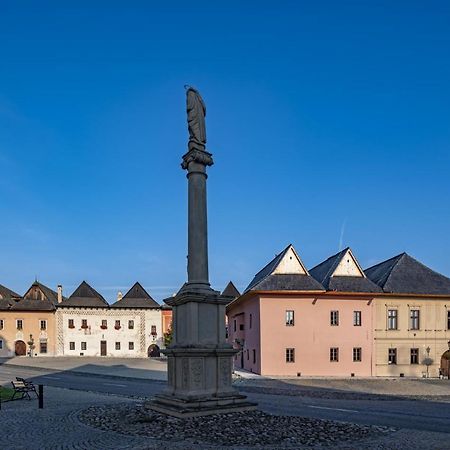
182,408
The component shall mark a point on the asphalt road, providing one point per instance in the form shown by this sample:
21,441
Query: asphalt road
413,414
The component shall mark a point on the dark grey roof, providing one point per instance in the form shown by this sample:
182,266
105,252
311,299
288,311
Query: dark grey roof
288,282
265,280
49,294
323,274
6,297
231,291
85,296
136,297
30,304
402,274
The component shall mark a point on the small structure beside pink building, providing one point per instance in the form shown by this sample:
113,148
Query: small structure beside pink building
293,322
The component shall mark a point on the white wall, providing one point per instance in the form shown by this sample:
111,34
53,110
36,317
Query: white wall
140,335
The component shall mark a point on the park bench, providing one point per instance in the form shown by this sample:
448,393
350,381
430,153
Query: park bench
24,387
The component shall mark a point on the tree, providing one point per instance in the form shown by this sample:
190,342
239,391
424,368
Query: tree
168,337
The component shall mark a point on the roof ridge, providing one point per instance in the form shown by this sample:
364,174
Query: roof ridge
399,256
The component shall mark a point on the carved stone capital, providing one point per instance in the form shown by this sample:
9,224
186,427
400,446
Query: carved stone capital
198,156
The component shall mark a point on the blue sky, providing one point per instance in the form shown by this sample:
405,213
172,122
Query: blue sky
329,123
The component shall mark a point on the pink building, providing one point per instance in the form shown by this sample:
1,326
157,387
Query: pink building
293,322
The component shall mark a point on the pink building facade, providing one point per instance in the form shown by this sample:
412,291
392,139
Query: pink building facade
291,323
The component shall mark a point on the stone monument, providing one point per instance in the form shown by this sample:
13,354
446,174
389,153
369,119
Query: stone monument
199,357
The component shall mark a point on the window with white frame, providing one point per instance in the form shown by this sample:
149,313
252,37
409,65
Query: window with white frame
357,354
414,356
43,324
84,346
131,324
72,345
290,355
414,315
334,354
2,324
289,318
392,356
357,318
19,324
43,347
117,345
334,318
392,319
130,345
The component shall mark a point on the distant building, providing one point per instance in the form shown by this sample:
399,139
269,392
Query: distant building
89,326
27,324
338,320
412,318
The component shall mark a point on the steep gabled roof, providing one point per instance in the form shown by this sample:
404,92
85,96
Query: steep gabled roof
230,291
403,274
6,297
285,272
136,297
31,304
342,272
85,296
49,294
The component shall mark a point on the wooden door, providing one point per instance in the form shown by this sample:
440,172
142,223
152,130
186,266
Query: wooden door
20,348
102,348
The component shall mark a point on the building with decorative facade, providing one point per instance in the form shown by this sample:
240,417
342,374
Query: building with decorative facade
336,319
88,326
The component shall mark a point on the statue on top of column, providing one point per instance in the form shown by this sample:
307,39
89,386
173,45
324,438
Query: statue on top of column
196,113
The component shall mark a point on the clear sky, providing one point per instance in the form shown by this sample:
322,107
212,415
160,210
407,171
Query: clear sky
329,123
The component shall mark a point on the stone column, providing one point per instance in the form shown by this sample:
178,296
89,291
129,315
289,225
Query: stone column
199,357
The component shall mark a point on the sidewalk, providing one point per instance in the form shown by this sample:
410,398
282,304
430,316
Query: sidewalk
144,368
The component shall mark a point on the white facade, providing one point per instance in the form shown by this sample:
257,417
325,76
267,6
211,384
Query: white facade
127,332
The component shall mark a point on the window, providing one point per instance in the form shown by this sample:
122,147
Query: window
248,355
43,347
117,325
19,324
1,344
72,345
241,327
392,319
290,355
356,318
153,330
414,315
71,324
392,356
226,331
104,325
289,318
83,346
117,345
131,324
254,356
334,318
414,356
84,323
250,321
43,325
357,353
2,324
334,354
130,345
234,324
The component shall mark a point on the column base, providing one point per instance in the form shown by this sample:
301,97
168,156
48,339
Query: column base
184,408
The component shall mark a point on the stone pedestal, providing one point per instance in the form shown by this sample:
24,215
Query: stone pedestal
199,358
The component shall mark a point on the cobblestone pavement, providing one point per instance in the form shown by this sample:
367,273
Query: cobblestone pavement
57,426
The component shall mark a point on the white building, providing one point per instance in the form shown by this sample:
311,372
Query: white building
88,326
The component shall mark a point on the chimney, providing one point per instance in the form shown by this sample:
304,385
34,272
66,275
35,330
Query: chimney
59,293
119,296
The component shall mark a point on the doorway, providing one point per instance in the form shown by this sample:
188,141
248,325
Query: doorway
20,348
153,351
103,348
445,365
